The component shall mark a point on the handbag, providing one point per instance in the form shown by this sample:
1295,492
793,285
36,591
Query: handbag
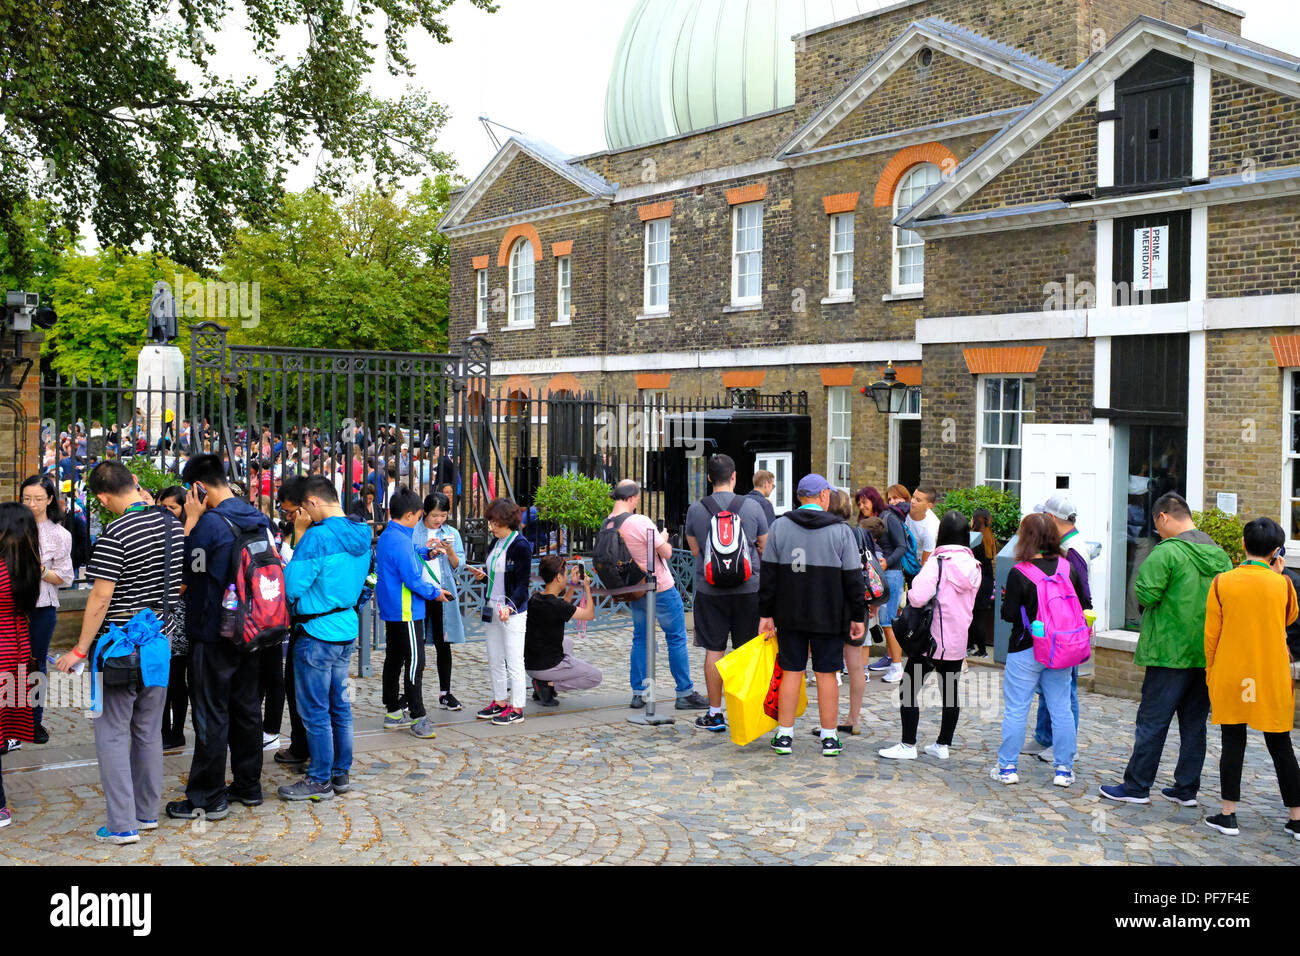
912,626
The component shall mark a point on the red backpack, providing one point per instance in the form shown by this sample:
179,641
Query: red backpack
258,616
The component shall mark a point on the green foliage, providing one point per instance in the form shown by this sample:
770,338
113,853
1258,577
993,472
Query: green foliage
1004,506
575,502
1225,529
122,112
152,479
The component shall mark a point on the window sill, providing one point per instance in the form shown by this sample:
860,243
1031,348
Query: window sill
743,307
654,315
838,300
561,322
474,332
518,328
902,296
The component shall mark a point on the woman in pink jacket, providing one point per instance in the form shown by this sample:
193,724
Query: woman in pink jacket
949,627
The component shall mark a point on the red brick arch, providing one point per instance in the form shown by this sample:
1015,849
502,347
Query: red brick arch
562,383
904,160
519,232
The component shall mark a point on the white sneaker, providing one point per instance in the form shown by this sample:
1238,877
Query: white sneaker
1007,775
894,674
270,741
899,752
1063,778
938,750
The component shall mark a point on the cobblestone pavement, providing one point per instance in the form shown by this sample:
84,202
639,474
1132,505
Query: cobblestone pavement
581,785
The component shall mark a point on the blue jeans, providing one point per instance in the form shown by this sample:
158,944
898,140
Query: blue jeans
889,610
39,631
671,617
1167,691
1021,677
1043,731
320,677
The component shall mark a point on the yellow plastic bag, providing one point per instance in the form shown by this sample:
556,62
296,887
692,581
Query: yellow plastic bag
746,677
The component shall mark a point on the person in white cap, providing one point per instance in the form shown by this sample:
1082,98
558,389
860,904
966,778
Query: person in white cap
1063,514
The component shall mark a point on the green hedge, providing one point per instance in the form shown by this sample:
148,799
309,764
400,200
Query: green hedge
1004,506
1225,529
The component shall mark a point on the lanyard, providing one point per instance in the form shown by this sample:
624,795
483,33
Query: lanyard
492,565
1260,564
138,506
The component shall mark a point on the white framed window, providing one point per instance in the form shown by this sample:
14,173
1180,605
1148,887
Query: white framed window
521,284
839,437
1291,455
841,274
747,254
781,465
563,287
909,248
484,301
1005,403
657,235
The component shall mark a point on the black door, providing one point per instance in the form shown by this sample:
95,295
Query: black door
909,452
1153,142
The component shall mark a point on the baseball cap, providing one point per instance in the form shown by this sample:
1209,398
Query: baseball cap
810,486
1058,506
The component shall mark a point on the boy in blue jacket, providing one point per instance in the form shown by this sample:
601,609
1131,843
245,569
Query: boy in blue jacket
402,587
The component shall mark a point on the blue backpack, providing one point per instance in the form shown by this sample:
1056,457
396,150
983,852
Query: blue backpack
911,560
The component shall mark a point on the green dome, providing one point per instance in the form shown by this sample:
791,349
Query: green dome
685,65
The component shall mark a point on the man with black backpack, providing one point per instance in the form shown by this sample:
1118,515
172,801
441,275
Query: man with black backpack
225,679
727,545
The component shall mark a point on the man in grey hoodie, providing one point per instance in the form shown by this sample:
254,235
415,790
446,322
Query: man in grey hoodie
812,593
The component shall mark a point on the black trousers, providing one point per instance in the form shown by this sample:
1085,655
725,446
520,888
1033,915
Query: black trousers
178,699
271,681
1284,762
227,716
297,730
433,634
403,667
914,674
981,628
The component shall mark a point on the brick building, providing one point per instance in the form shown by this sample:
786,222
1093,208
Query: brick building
945,185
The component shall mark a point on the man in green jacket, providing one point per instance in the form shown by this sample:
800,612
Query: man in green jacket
1172,586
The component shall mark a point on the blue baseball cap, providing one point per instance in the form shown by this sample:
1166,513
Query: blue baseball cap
810,486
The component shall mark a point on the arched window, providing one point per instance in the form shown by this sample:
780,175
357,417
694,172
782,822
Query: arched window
521,283
909,248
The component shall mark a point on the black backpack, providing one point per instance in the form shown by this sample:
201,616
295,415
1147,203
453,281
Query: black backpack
612,561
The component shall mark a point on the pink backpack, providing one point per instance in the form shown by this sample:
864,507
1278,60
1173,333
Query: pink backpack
1066,641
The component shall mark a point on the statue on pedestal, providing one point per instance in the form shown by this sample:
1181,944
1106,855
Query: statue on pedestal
162,314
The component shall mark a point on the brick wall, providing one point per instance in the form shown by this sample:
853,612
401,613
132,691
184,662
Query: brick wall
1006,271
918,96
1243,420
1062,394
525,184
1064,162
1254,248
20,422
1251,124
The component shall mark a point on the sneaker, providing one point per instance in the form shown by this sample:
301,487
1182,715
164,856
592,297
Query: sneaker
1006,775
692,701
899,752
714,722
938,751
423,728
511,715
880,664
249,800
1047,756
10,745
487,713
103,835
6,817
146,824
545,694
306,789
1033,748
783,744
1169,793
894,674
1292,827
270,741
637,702
289,758
1064,777
1120,795
1224,823
40,735
184,810
831,746
397,720
448,701
979,653
340,783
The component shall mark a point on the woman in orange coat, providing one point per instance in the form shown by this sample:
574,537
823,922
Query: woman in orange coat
1248,668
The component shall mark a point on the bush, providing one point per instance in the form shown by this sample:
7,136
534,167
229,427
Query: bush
1004,506
574,502
152,479
1225,529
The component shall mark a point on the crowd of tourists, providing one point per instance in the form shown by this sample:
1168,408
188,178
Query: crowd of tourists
201,606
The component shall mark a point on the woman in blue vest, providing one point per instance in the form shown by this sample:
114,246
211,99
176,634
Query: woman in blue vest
440,545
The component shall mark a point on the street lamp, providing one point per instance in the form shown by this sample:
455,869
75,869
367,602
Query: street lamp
889,395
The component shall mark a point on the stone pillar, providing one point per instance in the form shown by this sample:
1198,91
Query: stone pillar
160,390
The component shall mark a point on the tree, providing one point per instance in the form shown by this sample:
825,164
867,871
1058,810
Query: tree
116,111
367,273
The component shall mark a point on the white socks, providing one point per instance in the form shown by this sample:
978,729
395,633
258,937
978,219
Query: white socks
832,732
785,731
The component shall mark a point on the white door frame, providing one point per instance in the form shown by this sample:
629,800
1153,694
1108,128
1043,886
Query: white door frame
891,472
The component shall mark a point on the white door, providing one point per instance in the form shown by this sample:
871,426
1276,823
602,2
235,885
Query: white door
1074,461
780,464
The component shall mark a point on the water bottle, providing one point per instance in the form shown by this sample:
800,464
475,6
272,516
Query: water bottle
229,605
1037,630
